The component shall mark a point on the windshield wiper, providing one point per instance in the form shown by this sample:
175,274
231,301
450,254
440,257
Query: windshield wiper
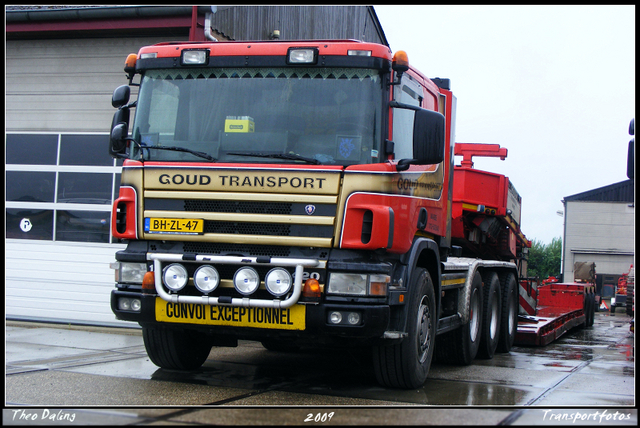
182,149
288,156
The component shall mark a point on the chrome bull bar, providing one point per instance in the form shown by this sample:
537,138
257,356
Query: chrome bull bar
246,302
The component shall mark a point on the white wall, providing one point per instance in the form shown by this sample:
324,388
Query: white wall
64,282
65,85
602,232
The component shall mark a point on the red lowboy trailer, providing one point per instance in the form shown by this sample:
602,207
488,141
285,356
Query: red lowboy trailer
486,224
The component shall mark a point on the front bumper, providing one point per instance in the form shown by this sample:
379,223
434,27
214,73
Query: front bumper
374,320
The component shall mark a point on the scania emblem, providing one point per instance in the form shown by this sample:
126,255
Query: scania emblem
310,209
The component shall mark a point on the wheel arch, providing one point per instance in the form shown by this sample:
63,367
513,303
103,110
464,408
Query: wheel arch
424,253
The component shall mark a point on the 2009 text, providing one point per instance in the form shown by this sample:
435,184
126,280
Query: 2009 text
319,417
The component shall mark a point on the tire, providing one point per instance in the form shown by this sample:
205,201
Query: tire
592,309
509,319
176,349
406,364
589,308
461,345
586,308
491,316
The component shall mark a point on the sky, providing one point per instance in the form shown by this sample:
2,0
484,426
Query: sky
555,85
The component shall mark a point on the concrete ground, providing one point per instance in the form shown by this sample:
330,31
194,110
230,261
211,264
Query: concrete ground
78,375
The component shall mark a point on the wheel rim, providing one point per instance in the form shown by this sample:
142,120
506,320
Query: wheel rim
474,311
494,315
423,329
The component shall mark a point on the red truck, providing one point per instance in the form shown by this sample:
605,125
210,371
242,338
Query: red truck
304,193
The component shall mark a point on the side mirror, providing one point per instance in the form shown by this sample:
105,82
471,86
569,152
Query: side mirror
428,137
119,132
118,140
121,96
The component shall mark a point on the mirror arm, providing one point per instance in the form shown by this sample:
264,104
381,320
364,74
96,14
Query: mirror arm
404,106
404,164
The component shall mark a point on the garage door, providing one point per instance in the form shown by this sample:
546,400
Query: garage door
60,179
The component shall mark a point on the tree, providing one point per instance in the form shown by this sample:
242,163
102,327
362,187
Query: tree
544,260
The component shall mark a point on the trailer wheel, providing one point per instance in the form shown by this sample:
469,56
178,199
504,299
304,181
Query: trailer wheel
461,345
406,365
176,349
509,319
589,308
592,309
491,316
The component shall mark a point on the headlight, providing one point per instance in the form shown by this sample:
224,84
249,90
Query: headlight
175,276
246,281
129,272
206,279
355,284
348,283
278,282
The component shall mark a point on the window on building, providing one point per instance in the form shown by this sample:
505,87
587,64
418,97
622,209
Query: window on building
29,224
31,149
27,186
60,187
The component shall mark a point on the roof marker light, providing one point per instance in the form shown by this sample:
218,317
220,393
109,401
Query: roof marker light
358,53
302,56
194,57
400,62
130,63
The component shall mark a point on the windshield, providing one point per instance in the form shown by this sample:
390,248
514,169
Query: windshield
278,115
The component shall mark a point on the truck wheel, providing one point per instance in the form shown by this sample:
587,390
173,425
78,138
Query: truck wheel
509,320
589,309
461,345
491,316
176,349
592,309
586,308
406,365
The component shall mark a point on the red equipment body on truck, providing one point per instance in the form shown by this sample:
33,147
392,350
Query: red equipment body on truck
304,193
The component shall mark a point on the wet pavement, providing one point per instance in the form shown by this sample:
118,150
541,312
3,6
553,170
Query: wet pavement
75,375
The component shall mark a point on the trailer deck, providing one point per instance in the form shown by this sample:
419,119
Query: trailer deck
560,307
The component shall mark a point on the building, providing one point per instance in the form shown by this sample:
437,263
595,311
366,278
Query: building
62,65
599,227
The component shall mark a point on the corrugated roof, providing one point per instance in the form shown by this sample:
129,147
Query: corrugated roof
618,192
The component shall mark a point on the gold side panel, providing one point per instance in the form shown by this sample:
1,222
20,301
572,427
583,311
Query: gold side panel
426,184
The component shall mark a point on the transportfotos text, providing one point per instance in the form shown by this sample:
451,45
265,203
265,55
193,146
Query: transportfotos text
575,417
